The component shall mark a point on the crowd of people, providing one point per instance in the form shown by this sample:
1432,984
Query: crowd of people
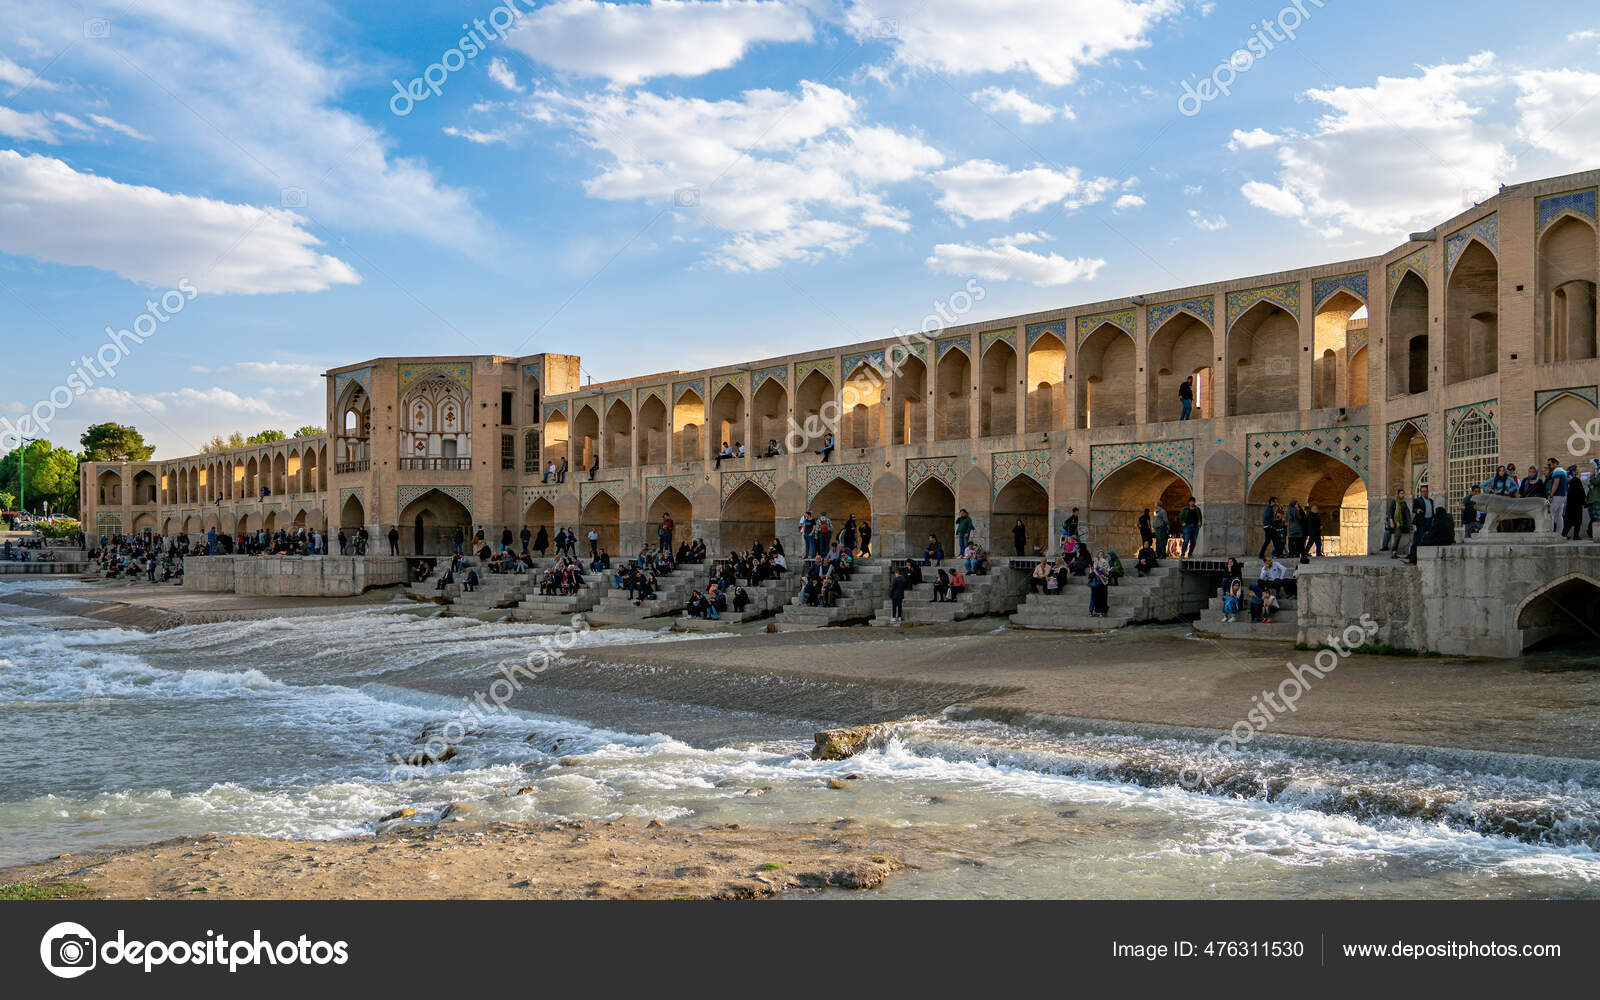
26,550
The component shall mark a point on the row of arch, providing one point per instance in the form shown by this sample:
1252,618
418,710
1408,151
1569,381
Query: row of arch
287,473
193,525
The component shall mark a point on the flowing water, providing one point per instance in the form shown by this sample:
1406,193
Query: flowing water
289,727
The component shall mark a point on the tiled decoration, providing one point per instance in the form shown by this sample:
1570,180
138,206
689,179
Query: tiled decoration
1126,320
766,479
898,353
612,488
1286,296
534,370
458,372
720,382
554,411
654,486
1262,451
1544,397
1008,465
919,470
359,492
1486,231
1396,428
804,368
1175,456
1417,261
962,344
108,524
992,337
1058,328
655,392
404,495
612,397
360,376
682,389
1489,409
533,494
818,477
1202,309
1324,289
1579,203
872,359
780,374
1354,340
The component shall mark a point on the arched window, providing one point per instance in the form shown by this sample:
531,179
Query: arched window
1474,451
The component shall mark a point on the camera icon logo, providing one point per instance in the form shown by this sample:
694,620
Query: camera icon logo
687,197
97,27
68,950
886,27
294,198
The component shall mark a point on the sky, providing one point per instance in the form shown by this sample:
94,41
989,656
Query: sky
257,192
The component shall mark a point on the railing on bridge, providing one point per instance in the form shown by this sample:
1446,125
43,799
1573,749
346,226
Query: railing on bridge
436,464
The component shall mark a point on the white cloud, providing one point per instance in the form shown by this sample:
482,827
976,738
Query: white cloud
1008,262
502,74
22,78
1274,199
275,371
1559,111
117,126
52,212
627,43
26,126
983,189
1210,225
1128,201
1028,112
1019,239
1051,39
1256,138
1587,35
783,176
474,135
1190,190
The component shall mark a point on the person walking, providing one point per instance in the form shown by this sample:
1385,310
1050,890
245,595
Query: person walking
1268,536
594,544
1019,537
1421,522
1191,519
1396,523
1186,397
394,540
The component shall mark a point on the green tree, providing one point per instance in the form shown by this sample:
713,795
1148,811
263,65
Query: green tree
266,437
108,442
308,430
52,477
8,501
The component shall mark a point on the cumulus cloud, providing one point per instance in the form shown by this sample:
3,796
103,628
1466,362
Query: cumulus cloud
1256,138
1050,39
783,176
502,74
1027,111
1005,261
1210,224
628,43
983,189
1274,199
1128,201
52,212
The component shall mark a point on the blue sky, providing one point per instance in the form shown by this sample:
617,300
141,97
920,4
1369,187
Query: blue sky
681,183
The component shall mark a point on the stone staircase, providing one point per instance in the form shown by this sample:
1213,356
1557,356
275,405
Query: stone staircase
672,596
771,597
860,596
1285,621
985,595
1133,599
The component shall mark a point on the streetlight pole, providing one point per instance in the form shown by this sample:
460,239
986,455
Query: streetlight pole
22,461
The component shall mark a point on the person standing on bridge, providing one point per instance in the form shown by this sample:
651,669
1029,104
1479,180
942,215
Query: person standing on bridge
1396,522
1190,522
963,530
1186,397
1421,522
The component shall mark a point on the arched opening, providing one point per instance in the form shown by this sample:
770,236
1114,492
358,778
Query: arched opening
1320,481
861,408
619,436
997,391
1023,499
280,474
952,396
911,393
931,510
1106,372
585,436
435,430
1330,342
1408,459
688,420
603,516
1408,337
1180,349
839,500
1117,503
296,473
815,392
556,433
727,419
235,479
540,514
1047,367
270,523
1473,453
748,516
144,524
1554,424
673,502
1262,349
109,487
769,417
655,435
354,432
532,393
1358,377
1567,291
1562,614
144,487
433,519
1472,316
352,515
252,479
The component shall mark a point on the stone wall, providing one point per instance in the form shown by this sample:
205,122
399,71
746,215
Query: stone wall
292,576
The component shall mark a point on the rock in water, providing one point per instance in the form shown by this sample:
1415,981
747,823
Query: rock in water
837,744
398,814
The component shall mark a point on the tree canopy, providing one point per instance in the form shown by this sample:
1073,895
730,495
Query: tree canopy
266,437
52,477
109,442
309,430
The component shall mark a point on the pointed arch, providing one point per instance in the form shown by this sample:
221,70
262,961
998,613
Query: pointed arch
1472,315
749,515
1316,478
619,435
997,390
688,426
1408,356
1118,500
1559,612
953,395
1180,348
1566,276
654,431
1106,368
1263,360
930,510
